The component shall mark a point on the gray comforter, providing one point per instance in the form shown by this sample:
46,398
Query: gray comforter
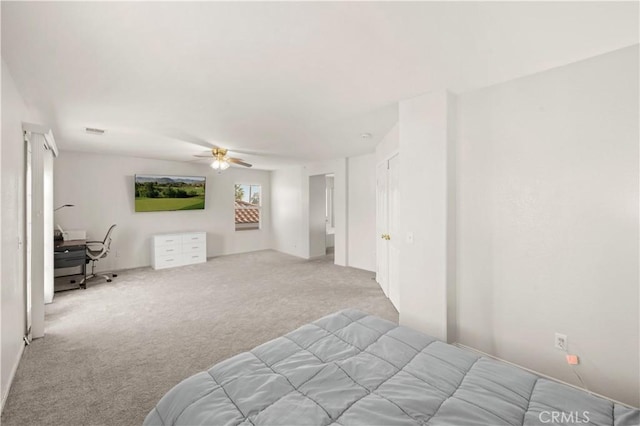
351,368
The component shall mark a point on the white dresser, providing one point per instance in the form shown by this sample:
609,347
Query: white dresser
169,250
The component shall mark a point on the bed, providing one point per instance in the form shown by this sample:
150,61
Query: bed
350,368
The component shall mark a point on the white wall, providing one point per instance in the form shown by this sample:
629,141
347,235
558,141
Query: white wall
14,112
362,212
424,142
102,189
286,210
389,145
354,209
290,208
2,368
548,221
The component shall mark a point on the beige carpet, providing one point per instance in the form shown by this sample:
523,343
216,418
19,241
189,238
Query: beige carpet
111,351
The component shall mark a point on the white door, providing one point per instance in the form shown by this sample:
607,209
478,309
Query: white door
387,221
382,224
393,238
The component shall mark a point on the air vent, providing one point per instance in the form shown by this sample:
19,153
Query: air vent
94,131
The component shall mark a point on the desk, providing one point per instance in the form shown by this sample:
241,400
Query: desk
69,254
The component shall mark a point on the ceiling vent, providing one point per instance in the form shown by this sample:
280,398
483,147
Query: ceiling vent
94,131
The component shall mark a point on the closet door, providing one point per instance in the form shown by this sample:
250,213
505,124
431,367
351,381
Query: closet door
382,224
393,236
387,222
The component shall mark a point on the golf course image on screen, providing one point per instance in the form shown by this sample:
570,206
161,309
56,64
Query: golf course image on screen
166,193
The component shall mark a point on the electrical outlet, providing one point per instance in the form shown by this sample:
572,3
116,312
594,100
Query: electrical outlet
573,360
561,342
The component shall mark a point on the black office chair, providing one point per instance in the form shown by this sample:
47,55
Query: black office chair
97,250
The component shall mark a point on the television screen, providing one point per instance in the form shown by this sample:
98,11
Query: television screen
167,193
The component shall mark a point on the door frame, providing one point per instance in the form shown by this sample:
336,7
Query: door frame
28,217
40,274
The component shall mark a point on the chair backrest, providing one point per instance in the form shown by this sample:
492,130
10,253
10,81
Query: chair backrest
107,239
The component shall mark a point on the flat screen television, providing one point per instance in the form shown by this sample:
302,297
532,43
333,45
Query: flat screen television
169,193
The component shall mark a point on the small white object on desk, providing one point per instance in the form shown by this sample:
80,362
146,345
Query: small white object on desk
74,234
169,250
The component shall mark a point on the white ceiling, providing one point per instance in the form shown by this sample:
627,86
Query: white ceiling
300,81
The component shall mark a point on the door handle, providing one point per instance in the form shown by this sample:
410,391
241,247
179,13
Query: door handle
385,237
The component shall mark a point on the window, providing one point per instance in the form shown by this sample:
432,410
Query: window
247,206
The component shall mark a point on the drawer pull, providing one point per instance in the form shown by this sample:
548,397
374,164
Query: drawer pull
169,250
169,241
169,260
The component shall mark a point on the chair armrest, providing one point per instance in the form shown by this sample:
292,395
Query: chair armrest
93,242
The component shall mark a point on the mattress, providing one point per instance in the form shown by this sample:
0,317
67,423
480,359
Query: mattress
350,368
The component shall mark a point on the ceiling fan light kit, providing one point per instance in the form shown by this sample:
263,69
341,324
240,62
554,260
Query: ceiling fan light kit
222,164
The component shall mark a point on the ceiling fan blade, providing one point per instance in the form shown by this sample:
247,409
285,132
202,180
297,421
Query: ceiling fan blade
204,156
239,162
186,137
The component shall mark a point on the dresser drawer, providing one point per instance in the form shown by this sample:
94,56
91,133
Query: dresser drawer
168,261
167,240
196,237
173,249
191,258
194,248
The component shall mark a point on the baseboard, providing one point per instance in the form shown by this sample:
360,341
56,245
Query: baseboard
12,375
537,373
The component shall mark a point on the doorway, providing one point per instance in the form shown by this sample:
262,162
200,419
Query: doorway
387,222
321,217
330,219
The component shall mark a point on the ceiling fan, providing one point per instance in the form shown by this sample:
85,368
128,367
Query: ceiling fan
221,161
